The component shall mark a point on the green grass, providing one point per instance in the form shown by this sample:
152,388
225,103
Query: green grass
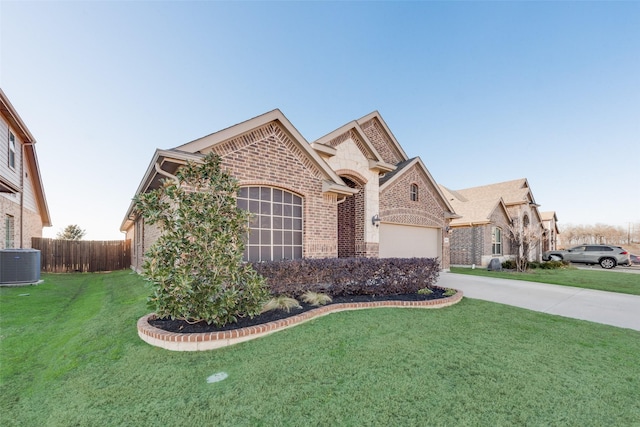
70,355
625,283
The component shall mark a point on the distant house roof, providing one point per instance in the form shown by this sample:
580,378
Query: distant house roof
472,212
512,192
476,205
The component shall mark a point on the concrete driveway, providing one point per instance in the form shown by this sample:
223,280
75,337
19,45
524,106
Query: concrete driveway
609,308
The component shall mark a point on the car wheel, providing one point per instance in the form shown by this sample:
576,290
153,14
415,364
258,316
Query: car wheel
607,263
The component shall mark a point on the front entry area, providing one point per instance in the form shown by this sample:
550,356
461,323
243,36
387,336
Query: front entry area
407,241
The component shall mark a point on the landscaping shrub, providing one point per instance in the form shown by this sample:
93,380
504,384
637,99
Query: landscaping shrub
509,265
349,276
195,266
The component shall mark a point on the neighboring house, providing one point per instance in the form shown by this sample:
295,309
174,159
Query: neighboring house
351,193
486,214
23,206
551,231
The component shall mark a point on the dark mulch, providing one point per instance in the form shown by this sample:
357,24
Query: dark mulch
183,327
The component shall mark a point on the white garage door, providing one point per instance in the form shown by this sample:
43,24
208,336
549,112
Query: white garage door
405,241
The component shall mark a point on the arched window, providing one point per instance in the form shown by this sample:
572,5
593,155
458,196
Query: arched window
275,227
414,192
496,241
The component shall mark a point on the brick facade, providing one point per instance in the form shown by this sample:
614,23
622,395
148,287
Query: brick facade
336,223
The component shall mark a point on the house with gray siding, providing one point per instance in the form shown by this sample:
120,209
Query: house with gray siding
23,205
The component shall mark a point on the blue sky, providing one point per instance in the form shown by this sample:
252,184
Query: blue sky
483,92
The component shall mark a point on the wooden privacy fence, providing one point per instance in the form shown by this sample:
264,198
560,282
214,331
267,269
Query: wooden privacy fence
63,256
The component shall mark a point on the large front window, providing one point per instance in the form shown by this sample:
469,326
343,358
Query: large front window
496,241
275,227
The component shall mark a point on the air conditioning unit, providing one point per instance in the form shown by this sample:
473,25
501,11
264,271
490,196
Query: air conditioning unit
19,266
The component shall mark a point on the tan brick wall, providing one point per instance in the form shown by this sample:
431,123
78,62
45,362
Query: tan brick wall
396,205
31,222
385,147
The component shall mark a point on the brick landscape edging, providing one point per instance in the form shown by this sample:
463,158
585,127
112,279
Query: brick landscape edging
212,340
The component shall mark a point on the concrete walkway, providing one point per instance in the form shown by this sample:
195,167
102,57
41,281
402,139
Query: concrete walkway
609,308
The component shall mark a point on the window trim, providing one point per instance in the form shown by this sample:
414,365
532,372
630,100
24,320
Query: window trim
9,231
414,193
496,240
11,147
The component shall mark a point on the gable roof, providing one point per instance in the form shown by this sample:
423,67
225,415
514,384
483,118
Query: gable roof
247,126
512,192
403,167
368,150
395,145
476,212
165,162
16,123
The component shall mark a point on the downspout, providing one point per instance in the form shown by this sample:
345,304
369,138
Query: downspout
22,151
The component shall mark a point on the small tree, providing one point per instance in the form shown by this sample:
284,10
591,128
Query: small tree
71,232
196,265
524,239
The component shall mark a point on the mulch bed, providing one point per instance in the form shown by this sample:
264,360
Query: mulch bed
180,326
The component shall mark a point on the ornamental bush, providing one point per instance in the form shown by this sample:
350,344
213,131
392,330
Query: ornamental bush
196,267
350,276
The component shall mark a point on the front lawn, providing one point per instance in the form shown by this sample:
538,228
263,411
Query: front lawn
625,283
70,355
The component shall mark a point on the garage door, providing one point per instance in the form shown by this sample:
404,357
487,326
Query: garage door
405,241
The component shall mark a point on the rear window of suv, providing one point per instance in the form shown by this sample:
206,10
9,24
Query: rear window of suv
599,248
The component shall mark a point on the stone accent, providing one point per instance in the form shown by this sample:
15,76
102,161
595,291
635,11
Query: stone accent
213,340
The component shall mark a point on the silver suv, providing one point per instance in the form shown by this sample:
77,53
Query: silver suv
605,255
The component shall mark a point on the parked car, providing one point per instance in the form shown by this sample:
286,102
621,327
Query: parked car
635,259
606,255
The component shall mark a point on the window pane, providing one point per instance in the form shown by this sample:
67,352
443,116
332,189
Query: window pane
288,237
277,237
287,210
297,224
288,224
265,253
277,195
265,193
265,221
288,253
254,206
265,208
297,211
243,204
287,197
265,237
277,253
244,192
253,221
277,209
254,193
297,200
297,252
254,237
297,238
277,223
254,253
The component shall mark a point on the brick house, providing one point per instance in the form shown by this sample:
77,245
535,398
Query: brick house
352,193
23,206
551,231
481,232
